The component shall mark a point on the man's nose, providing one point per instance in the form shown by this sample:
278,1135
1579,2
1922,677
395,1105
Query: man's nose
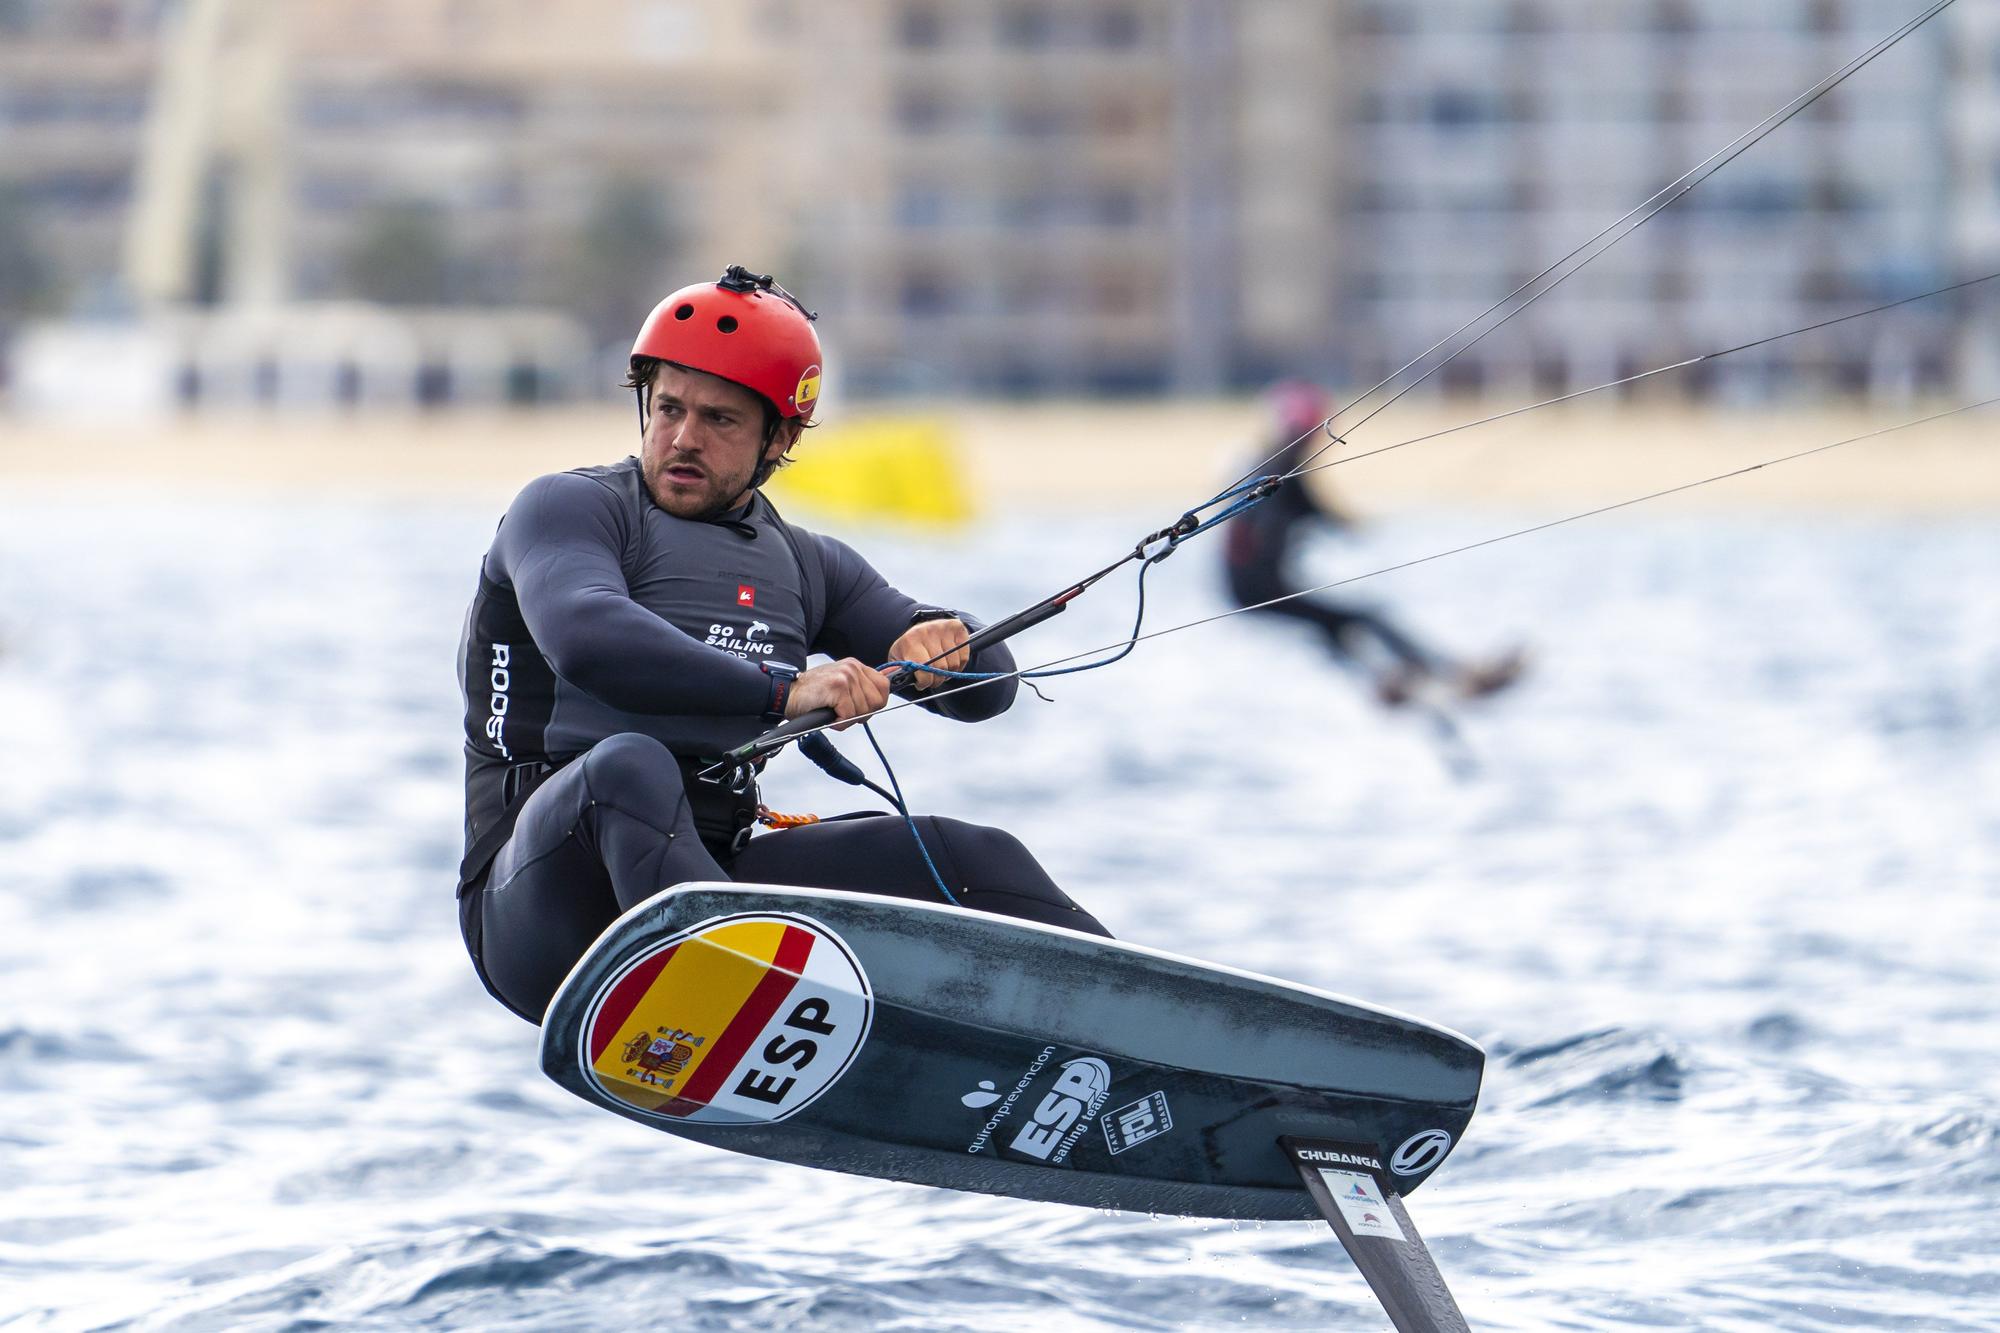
686,434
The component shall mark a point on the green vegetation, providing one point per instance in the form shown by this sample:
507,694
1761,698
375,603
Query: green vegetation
27,278
400,254
623,259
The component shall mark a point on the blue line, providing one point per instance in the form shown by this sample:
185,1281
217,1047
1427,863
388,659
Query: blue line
903,808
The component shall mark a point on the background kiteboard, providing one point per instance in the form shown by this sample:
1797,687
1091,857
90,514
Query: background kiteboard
947,1047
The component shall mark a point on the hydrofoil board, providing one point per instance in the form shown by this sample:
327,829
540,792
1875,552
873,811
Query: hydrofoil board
953,1048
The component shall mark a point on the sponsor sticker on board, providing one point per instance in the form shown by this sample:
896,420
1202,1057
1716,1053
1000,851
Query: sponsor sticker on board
1053,1113
1063,1114
1361,1204
742,1020
1147,1118
980,1099
1420,1152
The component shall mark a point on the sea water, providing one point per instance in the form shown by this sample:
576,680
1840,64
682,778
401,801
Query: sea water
1717,886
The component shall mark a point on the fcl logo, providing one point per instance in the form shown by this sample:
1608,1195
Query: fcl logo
746,595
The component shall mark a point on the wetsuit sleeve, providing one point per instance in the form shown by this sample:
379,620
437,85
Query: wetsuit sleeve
559,548
864,615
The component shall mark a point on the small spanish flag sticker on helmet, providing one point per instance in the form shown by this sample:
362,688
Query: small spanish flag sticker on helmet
808,391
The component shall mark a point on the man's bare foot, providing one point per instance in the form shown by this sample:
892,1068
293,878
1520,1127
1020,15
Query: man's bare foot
1490,677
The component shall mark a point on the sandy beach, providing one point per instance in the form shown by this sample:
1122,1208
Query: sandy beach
1068,455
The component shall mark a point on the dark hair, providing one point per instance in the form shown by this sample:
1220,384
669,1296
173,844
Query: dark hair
640,378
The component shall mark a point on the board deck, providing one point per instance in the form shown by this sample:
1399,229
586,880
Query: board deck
952,1048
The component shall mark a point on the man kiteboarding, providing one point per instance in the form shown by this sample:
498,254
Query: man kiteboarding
1262,543
635,620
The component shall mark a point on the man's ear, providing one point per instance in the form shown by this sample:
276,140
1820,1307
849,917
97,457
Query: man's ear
783,438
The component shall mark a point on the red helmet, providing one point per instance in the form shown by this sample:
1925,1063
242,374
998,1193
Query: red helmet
744,328
1298,407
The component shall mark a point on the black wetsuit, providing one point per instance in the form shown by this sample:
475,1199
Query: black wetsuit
610,649
1258,550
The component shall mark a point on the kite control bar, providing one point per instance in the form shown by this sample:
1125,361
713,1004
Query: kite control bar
732,765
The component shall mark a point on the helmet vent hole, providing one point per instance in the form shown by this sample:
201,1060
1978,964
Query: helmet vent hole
727,323
684,311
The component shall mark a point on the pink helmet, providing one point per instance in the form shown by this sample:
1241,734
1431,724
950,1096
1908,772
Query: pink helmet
1298,407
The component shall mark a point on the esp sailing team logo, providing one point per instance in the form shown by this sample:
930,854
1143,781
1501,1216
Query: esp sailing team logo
742,1020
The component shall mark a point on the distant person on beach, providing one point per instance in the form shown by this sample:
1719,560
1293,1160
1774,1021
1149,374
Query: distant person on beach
1262,544
635,620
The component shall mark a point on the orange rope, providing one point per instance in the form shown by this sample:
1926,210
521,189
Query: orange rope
770,818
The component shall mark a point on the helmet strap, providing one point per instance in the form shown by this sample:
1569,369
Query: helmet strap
767,466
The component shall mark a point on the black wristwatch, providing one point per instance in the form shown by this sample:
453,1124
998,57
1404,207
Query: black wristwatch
782,678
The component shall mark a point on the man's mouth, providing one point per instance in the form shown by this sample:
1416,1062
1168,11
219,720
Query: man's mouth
685,473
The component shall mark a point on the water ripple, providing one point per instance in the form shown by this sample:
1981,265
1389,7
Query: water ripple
1719,900
1603,1065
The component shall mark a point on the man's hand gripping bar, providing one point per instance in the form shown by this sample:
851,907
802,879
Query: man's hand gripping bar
734,768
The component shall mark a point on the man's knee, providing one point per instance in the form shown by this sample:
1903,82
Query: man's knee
631,769
999,874
984,856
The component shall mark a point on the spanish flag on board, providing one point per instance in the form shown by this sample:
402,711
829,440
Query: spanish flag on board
738,1021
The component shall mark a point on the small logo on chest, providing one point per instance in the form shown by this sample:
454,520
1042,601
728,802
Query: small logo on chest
724,637
746,595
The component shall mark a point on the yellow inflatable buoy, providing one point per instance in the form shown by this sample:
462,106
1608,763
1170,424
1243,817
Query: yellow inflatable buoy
896,468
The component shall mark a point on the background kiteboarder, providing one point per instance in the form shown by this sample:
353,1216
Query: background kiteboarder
608,655
1262,545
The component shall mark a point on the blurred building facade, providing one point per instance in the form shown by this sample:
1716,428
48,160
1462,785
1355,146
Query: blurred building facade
1021,195
74,84
376,201
1973,115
